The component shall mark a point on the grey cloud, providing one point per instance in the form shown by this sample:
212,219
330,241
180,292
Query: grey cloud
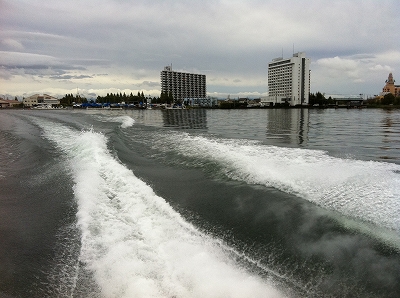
149,84
11,44
235,40
11,60
92,95
69,77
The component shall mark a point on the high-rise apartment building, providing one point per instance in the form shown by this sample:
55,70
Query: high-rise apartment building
183,86
289,80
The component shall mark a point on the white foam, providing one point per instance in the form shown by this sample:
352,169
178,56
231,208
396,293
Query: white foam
133,241
364,189
125,120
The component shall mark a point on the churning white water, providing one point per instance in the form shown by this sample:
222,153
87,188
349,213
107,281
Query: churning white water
366,190
135,244
125,120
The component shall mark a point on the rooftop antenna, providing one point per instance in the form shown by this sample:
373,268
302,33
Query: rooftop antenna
293,48
282,52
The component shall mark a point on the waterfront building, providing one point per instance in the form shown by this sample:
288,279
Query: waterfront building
41,100
289,80
6,103
390,87
188,88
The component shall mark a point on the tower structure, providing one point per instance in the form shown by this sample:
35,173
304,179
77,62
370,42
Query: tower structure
390,87
183,86
289,79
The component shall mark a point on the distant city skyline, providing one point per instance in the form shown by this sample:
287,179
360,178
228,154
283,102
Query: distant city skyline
118,46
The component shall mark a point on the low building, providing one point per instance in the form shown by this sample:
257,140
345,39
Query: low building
268,101
350,102
41,100
5,103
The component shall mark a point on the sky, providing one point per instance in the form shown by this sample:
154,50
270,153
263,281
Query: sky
109,46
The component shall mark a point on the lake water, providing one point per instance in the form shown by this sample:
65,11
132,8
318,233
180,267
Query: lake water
200,203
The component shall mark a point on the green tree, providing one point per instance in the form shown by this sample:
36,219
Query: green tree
318,98
388,99
170,98
163,97
67,100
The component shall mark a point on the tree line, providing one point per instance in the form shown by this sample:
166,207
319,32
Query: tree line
319,99
119,97
166,97
387,100
70,99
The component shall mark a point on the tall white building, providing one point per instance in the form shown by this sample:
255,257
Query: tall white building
289,80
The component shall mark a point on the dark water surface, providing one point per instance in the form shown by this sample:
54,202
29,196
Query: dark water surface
200,203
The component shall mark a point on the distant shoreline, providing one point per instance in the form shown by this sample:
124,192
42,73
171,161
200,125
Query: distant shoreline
393,107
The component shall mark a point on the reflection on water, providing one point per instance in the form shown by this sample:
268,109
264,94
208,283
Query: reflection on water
174,118
390,135
291,126
185,118
372,134
284,127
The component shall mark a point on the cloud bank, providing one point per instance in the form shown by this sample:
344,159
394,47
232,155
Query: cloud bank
56,47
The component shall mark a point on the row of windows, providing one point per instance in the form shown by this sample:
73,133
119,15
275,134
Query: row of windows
180,86
277,64
183,85
175,73
276,71
183,76
279,87
185,89
280,79
183,82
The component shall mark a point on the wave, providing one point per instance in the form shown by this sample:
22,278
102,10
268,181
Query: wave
125,120
366,190
133,241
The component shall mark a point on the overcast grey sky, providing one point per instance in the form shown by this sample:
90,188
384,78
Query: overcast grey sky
105,46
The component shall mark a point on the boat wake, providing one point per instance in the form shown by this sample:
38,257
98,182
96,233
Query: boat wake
366,190
132,240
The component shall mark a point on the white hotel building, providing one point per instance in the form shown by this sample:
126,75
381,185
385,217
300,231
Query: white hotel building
289,80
